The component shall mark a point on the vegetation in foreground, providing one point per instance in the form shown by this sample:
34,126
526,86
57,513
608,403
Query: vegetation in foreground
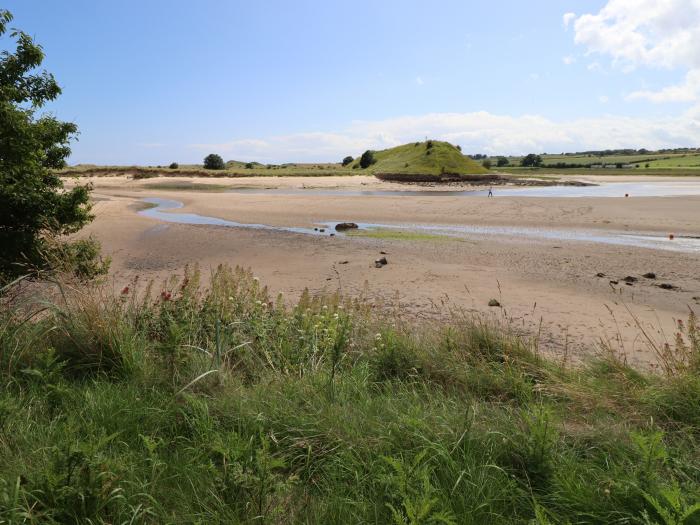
218,405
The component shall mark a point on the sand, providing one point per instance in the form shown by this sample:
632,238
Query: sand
548,289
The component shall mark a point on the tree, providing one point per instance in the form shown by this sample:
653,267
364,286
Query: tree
347,160
531,160
367,159
174,165
35,209
502,161
486,164
213,162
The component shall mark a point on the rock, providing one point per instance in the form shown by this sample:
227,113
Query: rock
315,229
343,262
332,235
494,302
383,260
629,279
380,262
649,275
600,274
340,227
667,286
322,230
629,284
382,253
613,282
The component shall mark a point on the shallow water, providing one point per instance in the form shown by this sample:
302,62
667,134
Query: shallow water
161,211
613,189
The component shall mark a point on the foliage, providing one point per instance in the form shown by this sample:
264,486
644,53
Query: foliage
531,160
486,164
502,161
367,159
213,162
174,166
34,205
347,160
219,404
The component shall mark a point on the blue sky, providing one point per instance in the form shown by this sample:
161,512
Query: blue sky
150,82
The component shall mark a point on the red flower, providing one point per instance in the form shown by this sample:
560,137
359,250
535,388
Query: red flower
125,290
165,295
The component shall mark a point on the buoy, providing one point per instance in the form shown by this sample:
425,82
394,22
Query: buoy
670,236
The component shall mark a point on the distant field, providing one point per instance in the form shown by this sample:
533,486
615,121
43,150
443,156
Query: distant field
306,170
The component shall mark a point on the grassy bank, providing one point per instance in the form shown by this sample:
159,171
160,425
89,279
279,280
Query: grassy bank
185,405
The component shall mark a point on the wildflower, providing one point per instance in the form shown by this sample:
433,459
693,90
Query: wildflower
230,298
166,296
325,307
378,336
256,279
125,290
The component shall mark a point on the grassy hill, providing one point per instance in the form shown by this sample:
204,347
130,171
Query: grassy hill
420,160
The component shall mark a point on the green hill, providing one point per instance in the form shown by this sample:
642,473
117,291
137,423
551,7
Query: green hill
429,160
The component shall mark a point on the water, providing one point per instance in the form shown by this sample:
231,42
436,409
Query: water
612,190
161,211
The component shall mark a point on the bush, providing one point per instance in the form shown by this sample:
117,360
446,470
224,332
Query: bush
81,258
486,164
367,159
531,160
502,161
213,162
429,144
347,160
249,166
174,166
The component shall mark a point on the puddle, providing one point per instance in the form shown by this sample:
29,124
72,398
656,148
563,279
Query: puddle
161,211
613,189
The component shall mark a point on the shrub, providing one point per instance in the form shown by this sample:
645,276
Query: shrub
531,160
35,205
174,166
80,258
502,161
249,166
486,164
367,159
347,160
429,144
213,162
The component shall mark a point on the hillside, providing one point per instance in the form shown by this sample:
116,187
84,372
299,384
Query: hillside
419,160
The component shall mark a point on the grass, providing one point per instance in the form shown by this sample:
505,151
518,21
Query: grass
186,404
391,234
185,186
432,158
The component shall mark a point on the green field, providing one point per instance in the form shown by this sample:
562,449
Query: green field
185,404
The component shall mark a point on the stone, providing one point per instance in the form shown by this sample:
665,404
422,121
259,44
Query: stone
494,302
343,226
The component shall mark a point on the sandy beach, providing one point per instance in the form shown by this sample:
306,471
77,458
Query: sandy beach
547,287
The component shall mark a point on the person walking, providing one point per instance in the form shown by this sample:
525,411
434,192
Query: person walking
491,192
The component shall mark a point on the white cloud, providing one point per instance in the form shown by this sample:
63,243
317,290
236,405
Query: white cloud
647,33
534,76
604,99
419,81
594,66
568,60
476,132
567,19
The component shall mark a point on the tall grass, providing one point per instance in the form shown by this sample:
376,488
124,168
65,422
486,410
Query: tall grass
219,404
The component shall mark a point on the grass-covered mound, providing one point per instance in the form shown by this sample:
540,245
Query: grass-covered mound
222,406
427,161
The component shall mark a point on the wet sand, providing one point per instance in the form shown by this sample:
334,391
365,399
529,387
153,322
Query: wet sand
546,286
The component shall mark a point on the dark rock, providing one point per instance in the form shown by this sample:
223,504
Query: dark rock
382,253
315,229
343,262
494,302
613,282
667,286
600,274
322,230
340,227
383,260
629,279
629,284
650,275
332,234
380,262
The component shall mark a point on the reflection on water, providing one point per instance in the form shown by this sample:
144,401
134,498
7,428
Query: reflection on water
161,211
614,189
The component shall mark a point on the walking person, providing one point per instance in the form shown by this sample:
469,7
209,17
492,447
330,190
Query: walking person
491,191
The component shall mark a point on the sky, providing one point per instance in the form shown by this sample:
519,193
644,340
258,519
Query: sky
157,81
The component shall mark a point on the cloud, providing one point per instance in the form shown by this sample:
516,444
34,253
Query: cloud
594,66
568,60
481,132
419,81
567,19
646,33
604,99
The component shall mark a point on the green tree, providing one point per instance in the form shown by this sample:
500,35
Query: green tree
347,160
367,159
174,165
35,209
486,164
213,162
502,161
531,160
